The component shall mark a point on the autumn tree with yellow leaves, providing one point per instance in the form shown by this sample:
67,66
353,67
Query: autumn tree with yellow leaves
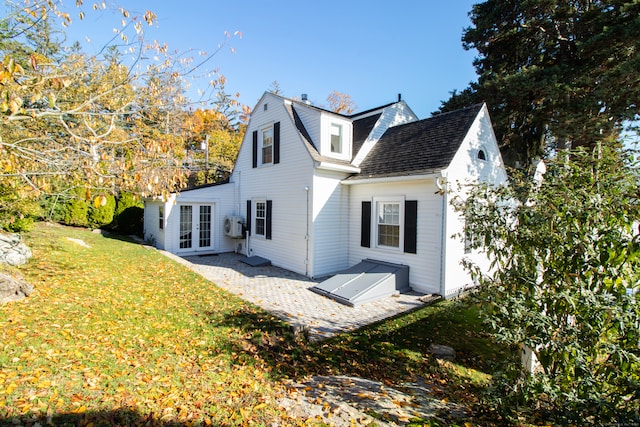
98,125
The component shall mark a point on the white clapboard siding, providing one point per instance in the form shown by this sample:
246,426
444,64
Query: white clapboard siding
424,265
465,168
219,197
152,231
310,118
283,183
316,215
330,231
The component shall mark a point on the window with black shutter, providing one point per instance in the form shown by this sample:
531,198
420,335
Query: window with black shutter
255,148
266,145
276,143
262,218
269,215
410,226
249,217
365,225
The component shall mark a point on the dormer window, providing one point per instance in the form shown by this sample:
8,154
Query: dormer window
336,138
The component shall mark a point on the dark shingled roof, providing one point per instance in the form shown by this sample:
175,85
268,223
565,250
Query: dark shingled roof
361,130
420,147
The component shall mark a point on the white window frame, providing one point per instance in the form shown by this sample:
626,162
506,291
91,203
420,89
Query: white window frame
257,218
340,135
378,202
264,132
161,217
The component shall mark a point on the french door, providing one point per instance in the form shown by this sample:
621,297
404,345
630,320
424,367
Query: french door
196,228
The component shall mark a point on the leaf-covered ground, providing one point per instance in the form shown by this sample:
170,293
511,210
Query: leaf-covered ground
119,334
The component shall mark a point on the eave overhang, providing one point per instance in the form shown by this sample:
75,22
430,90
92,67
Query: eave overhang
337,167
384,179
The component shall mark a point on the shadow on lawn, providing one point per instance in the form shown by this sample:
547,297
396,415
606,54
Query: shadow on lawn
113,417
392,351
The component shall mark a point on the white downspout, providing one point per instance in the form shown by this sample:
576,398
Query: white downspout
441,183
306,236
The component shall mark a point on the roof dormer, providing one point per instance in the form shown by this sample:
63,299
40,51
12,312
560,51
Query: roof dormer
336,137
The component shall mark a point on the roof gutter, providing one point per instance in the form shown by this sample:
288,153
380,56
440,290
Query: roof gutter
402,178
336,167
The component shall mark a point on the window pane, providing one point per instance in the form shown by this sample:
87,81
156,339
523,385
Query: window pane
389,224
260,227
267,137
266,155
389,213
261,210
336,138
267,145
389,235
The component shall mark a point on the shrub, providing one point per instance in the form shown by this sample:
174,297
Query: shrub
101,211
75,212
129,214
565,282
17,212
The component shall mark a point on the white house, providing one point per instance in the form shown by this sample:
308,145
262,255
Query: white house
316,192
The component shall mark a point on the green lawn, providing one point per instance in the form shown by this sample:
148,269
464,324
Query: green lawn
119,334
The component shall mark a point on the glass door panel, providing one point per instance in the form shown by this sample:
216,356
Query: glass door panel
205,226
186,226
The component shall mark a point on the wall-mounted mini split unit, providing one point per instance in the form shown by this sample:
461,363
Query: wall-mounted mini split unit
233,226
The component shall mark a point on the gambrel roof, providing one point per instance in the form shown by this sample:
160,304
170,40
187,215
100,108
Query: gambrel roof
416,148
421,147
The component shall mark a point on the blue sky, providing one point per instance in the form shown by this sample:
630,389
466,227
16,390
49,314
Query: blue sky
368,49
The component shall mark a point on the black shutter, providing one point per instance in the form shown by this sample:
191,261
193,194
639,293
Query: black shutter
276,142
365,225
255,148
267,233
249,217
410,226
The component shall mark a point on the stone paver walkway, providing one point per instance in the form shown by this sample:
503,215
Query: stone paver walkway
287,295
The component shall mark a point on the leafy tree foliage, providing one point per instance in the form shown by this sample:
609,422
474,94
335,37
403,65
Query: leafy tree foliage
554,72
17,208
340,102
564,282
215,142
106,123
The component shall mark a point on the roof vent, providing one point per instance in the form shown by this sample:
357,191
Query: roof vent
399,97
305,98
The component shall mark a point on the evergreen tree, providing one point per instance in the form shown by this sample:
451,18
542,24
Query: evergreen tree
554,73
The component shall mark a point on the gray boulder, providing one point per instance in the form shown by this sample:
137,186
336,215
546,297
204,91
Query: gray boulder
442,352
12,250
13,289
